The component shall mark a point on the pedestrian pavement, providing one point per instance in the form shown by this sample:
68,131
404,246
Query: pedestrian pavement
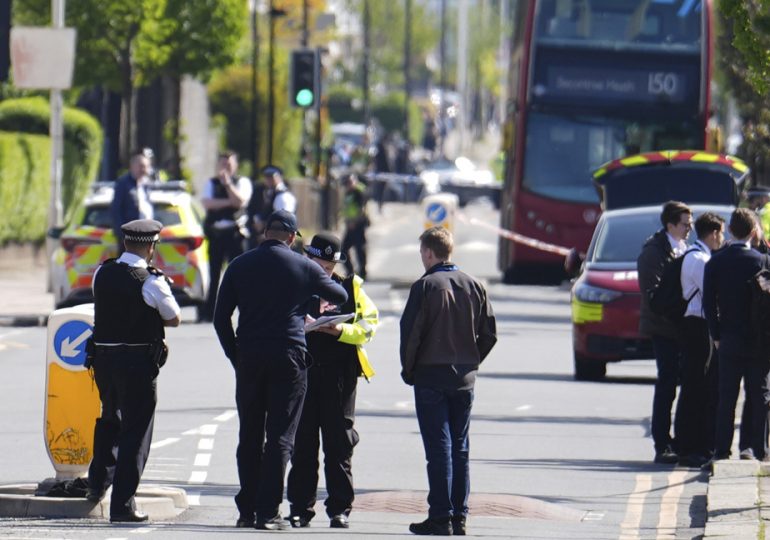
738,497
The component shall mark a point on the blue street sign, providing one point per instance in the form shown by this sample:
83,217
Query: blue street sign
436,212
69,342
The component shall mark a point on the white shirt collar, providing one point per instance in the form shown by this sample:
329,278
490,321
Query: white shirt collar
703,246
132,259
678,246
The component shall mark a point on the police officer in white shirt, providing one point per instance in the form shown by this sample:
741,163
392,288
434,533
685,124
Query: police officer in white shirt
132,305
697,399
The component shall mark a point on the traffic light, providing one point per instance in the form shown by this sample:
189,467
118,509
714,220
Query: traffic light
304,78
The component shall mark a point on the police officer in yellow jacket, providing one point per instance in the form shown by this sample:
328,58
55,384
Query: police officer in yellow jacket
338,360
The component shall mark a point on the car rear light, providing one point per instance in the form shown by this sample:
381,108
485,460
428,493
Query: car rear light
69,244
191,242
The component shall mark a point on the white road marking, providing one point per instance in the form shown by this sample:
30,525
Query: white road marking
164,442
225,416
194,498
197,477
593,515
206,444
205,429
404,404
635,507
202,460
143,530
523,407
669,503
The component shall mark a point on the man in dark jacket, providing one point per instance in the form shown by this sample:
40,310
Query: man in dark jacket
131,199
660,249
726,302
272,287
447,330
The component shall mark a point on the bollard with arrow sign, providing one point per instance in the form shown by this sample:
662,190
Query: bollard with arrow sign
72,399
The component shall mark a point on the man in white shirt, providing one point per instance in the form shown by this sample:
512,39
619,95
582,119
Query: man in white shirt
697,397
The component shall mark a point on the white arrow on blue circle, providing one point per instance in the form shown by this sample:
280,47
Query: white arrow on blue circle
69,349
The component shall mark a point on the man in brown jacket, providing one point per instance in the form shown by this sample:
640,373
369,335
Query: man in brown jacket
447,329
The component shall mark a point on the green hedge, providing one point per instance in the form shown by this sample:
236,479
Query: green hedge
24,187
83,140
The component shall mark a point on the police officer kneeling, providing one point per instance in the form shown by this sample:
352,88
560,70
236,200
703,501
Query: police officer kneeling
132,304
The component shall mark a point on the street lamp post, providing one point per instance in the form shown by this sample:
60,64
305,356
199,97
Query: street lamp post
253,139
407,64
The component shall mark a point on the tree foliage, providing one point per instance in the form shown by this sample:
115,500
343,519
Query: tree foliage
750,25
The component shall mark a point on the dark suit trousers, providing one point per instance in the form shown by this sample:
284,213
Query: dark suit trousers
269,391
667,359
696,411
736,362
123,433
329,408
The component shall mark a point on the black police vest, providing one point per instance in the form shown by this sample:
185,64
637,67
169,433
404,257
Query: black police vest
120,312
219,192
326,348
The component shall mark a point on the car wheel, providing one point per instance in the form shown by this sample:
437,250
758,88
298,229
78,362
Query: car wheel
589,370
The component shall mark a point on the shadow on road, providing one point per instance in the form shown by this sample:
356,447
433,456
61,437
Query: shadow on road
625,379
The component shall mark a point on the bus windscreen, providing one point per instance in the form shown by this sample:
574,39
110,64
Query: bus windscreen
655,22
562,151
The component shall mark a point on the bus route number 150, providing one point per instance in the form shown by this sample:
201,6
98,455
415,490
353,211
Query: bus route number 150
662,83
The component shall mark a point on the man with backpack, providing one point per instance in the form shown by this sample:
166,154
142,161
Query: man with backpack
658,251
727,302
697,397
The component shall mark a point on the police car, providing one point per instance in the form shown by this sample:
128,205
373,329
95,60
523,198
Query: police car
181,252
605,298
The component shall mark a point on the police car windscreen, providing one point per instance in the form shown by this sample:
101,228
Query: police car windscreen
645,186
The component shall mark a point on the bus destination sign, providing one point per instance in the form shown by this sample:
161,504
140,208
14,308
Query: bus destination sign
641,86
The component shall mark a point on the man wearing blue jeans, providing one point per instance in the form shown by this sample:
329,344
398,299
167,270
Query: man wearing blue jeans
447,330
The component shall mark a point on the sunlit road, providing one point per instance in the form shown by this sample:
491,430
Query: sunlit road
551,457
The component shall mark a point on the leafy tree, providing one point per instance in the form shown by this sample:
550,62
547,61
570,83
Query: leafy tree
124,44
751,36
745,66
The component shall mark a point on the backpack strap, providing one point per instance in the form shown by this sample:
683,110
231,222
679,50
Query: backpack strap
689,250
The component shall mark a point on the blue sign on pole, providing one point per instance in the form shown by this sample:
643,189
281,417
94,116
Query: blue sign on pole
69,342
436,212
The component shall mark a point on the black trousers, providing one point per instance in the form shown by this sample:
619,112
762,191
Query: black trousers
127,388
329,408
736,363
355,238
224,245
269,390
696,412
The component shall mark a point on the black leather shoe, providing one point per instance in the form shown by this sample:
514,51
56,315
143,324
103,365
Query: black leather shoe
667,456
299,522
245,522
693,461
432,527
340,521
94,496
275,523
132,516
458,525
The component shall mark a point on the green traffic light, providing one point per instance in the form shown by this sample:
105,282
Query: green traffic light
304,98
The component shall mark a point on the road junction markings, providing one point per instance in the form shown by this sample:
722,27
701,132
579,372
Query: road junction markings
669,503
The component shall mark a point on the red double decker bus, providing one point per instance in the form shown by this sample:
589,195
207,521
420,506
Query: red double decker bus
591,81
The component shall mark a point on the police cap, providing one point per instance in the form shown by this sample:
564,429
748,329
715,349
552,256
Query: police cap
283,220
326,246
142,230
271,170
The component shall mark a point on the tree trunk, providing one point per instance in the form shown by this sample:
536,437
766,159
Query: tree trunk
171,127
127,114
